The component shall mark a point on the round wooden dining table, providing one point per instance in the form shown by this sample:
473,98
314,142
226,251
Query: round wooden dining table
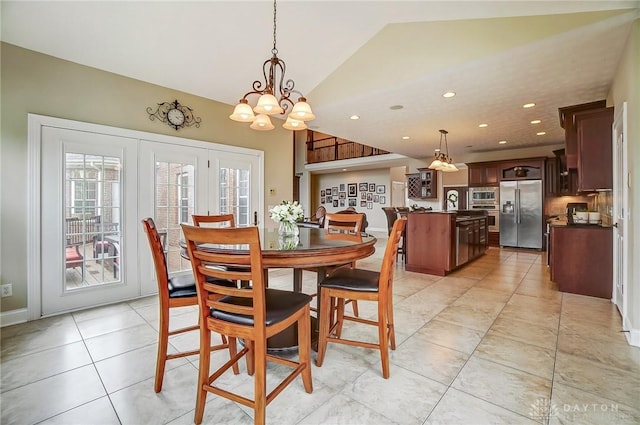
312,249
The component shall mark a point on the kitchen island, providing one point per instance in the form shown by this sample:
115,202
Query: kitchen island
440,242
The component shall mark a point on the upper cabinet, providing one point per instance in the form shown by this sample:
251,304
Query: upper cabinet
595,150
567,122
423,184
483,174
588,144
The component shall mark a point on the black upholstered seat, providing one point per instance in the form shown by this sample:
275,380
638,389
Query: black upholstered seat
279,304
352,280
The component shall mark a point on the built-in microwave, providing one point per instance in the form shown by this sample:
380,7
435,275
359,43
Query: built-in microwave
483,196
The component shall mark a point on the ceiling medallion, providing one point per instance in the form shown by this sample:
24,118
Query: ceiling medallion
443,162
174,114
274,85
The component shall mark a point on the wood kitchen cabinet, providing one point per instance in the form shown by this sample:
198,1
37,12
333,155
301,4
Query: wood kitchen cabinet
423,184
567,121
595,150
483,174
560,181
581,259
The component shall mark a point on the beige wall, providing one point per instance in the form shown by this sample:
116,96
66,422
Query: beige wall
627,89
36,83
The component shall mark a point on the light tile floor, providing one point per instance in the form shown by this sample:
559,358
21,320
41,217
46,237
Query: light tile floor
494,343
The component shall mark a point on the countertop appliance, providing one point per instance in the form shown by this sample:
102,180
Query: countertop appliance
521,214
486,198
572,207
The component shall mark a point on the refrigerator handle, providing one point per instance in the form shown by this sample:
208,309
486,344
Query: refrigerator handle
517,206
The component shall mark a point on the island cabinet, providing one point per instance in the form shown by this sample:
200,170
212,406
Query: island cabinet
581,260
439,242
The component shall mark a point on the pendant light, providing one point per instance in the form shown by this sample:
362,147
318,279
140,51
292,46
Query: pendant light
443,162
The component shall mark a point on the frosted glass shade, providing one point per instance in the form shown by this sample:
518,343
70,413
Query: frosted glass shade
292,124
268,105
436,164
262,123
302,111
243,112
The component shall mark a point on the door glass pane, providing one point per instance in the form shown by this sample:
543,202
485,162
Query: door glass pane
174,204
92,220
234,194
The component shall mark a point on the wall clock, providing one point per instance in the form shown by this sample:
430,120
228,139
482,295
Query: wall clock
174,114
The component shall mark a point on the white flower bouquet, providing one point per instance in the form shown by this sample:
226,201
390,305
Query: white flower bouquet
287,212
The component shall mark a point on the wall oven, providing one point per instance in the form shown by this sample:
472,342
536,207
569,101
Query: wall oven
486,198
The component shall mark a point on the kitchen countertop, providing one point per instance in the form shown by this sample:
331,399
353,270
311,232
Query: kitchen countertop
563,223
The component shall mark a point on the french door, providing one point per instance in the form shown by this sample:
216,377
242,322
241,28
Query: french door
92,185
88,219
179,181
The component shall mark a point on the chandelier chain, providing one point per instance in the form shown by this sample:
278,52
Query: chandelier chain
275,49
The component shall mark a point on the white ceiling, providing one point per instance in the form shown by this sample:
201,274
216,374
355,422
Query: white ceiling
358,57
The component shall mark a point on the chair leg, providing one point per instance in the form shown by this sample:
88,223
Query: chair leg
340,317
250,356
383,339
324,319
304,349
203,374
163,342
260,382
354,305
233,350
390,325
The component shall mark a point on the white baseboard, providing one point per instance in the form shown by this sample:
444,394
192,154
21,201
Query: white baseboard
13,317
633,335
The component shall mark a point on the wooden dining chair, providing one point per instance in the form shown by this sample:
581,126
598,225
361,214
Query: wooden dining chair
173,292
219,220
367,285
352,223
252,314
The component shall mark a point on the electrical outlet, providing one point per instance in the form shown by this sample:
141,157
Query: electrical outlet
6,290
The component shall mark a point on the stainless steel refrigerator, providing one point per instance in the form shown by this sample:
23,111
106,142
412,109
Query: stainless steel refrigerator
521,214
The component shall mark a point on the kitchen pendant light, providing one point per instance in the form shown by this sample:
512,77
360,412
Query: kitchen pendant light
274,96
443,162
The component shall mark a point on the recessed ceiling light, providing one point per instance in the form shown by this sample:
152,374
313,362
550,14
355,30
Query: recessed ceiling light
536,122
354,117
541,133
483,125
405,137
449,94
528,105
344,169
396,107
502,142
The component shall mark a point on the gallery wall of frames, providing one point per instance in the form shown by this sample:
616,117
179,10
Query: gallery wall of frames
358,195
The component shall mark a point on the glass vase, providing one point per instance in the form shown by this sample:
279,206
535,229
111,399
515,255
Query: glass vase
288,228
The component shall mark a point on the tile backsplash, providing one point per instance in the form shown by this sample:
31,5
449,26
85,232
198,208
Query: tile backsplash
558,205
604,205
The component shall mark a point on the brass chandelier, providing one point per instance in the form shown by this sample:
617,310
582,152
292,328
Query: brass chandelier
443,162
268,104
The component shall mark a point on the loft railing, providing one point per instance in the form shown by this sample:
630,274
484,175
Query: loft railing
334,148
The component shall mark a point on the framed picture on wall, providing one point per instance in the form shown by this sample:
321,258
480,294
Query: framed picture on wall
334,191
342,203
342,195
353,189
363,195
342,187
369,196
369,205
322,192
363,204
335,203
327,191
329,198
353,202
383,199
363,187
376,198
372,187
381,188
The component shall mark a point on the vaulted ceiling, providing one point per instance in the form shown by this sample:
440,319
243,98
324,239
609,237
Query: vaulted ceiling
388,62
